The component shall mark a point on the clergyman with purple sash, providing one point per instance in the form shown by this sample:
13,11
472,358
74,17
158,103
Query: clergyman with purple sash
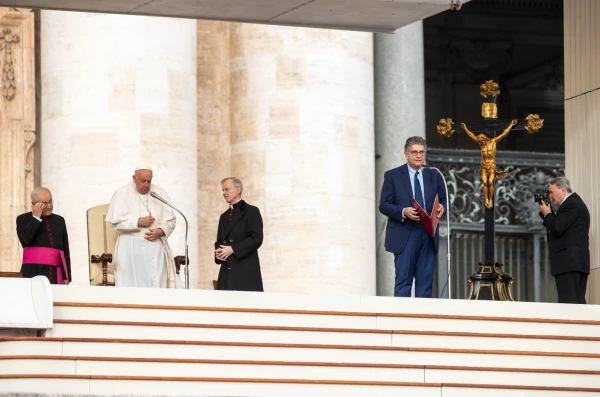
45,241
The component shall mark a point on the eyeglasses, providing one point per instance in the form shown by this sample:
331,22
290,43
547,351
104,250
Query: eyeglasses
418,152
226,190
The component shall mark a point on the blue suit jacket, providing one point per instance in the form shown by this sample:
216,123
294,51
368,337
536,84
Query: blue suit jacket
396,194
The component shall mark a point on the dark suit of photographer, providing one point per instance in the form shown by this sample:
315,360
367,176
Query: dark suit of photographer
568,238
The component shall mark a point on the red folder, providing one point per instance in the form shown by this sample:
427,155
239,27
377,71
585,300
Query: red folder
429,222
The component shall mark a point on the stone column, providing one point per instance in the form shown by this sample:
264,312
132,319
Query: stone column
213,139
302,143
117,91
17,128
582,119
399,114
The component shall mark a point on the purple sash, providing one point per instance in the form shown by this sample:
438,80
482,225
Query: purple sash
47,256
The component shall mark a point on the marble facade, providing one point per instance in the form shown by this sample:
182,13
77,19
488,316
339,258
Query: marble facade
290,111
117,91
300,129
17,128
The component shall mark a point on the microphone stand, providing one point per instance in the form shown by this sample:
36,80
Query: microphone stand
187,273
448,250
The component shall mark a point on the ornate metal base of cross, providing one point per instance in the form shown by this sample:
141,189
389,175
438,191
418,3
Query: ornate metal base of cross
489,283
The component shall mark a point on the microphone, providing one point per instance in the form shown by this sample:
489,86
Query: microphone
187,273
448,250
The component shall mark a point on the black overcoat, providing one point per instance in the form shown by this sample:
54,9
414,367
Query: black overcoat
568,236
244,233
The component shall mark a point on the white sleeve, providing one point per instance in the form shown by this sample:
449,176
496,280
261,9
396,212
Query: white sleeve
118,216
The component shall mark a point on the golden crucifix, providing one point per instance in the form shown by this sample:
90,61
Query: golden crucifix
487,169
489,275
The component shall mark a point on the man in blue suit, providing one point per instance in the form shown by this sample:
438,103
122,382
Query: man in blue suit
415,251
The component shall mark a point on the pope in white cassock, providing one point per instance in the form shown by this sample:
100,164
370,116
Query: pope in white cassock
143,257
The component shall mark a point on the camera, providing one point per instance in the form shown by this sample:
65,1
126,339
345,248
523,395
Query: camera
542,195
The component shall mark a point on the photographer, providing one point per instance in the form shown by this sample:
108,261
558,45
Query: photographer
568,238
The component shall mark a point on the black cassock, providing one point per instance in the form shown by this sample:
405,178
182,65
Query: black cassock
51,232
242,229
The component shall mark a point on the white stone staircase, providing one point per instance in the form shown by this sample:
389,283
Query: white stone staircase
128,341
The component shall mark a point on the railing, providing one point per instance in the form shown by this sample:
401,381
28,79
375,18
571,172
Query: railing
524,256
520,243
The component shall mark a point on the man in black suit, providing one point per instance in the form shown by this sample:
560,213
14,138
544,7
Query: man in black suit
568,238
43,236
239,235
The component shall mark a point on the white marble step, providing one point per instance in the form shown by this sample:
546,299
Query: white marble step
89,366
246,389
234,378
214,317
381,322
343,303
209,370
177,349
505,392
31,347
474,377
320,337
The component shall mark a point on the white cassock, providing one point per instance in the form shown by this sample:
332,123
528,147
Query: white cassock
139,262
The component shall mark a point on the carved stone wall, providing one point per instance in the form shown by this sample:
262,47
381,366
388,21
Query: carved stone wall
17,127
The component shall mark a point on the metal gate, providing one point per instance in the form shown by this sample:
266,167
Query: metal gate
524,256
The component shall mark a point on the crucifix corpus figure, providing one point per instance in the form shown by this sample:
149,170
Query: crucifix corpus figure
487,168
